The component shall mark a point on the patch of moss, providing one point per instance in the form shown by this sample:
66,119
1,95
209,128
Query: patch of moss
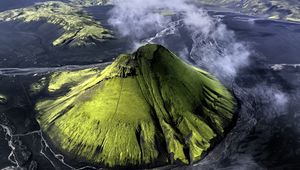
63,79
87,3
144,108
37,87
79,28
3,99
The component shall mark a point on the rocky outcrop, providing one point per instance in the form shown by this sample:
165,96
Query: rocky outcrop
3,99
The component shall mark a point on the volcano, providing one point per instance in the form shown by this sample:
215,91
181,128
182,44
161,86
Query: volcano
148,108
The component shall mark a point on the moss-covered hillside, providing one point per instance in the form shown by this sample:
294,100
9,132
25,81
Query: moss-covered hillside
147,108
79,29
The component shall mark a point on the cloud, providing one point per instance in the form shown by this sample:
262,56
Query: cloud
273,101
213,47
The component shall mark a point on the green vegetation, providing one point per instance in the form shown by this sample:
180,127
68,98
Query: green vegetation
166,13
61,80
144,108
274,9
87,3
79,28
37,87
3,99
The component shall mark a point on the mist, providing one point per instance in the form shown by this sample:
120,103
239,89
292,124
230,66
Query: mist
275,100
213,48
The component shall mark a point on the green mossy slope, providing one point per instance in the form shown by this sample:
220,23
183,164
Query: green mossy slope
144,108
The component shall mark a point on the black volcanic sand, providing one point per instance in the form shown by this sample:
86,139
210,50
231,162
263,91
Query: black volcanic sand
30,45
265,137
277,41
